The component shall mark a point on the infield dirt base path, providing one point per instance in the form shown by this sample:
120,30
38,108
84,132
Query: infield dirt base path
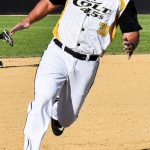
115,116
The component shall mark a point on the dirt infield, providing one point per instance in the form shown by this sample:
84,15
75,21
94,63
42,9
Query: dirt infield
115,116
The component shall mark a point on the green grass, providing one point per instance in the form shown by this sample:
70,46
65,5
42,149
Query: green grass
32,42
144,45
27,43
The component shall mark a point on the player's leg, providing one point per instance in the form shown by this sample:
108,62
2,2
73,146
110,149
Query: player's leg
57,128
50,78
77,87
70,62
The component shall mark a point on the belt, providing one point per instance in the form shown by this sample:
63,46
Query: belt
76,54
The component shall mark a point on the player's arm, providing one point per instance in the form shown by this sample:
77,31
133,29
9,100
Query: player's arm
130,27
39,11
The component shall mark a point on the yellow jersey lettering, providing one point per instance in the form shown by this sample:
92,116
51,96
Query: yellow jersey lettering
103,30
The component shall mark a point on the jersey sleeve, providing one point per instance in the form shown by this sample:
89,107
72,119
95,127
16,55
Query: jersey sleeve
128,21
58,2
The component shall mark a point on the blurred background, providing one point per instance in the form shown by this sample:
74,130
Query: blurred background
24,6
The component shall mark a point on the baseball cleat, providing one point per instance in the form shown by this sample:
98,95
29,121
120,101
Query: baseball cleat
57,128
7,37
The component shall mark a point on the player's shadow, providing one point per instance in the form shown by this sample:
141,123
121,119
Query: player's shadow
146,149
33,65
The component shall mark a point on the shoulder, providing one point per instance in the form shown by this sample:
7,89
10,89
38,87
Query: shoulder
124,4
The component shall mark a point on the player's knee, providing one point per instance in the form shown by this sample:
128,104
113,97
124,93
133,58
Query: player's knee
44,95
43,98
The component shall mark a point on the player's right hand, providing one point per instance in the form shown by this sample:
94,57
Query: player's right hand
20,26
128,47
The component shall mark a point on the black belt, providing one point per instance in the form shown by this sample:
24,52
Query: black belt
76,54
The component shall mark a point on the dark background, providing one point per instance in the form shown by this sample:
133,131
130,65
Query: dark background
24,6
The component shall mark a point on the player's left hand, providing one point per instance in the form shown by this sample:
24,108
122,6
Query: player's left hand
128,47
24,24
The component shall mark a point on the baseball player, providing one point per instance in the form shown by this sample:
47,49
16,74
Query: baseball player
68,67
6,37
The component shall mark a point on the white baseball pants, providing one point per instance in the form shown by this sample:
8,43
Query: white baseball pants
58,74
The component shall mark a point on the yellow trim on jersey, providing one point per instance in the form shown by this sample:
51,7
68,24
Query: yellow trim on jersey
55,30
113,32
122,5
114,27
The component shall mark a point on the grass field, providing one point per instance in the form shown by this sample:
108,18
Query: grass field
33,42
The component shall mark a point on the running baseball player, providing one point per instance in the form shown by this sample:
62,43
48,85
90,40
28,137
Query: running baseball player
6,37
68,67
